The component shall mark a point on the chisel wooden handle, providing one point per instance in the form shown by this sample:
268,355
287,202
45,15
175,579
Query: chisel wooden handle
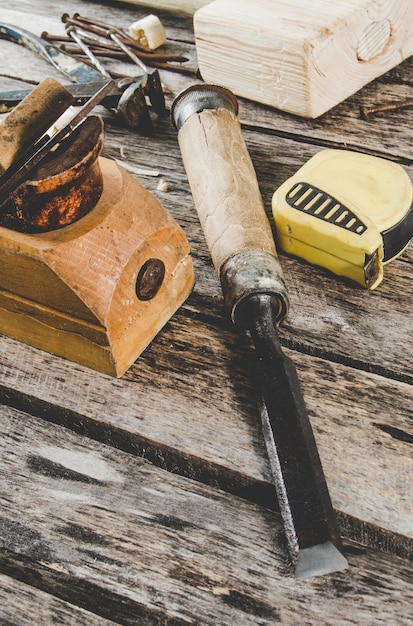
30,119
226,195
231,211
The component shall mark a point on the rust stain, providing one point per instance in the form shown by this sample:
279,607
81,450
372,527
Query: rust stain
64,188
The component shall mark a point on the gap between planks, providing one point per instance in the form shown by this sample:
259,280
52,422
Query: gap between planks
133,544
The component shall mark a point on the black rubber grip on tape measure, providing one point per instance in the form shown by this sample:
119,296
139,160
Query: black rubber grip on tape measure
396,238
319,204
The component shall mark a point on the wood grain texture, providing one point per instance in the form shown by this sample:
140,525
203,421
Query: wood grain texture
148,499
302,61
21,603
175,551
224,185
328,317
362,423
94,316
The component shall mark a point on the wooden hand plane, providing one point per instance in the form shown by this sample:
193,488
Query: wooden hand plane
92,264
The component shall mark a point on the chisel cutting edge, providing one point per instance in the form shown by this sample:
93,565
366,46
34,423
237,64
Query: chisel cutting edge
231,211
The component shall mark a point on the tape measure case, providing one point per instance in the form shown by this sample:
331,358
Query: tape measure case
347,212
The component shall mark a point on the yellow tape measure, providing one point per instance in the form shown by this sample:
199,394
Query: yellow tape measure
348,212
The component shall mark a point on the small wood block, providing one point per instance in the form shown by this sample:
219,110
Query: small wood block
73,291
302,57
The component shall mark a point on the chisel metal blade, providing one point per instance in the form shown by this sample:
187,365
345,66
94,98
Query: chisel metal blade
309,520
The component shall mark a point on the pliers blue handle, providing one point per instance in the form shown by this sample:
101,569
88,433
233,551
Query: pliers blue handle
127,100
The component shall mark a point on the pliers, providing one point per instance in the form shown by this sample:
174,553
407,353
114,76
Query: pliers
127,98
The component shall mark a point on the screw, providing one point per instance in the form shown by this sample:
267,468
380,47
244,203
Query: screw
366,111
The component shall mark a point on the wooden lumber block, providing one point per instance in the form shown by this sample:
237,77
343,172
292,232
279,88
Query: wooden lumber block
303,57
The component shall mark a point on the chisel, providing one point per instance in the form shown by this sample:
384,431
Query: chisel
231,211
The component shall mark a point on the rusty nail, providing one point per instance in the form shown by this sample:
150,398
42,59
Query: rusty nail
69,21
102,28
153,59
103,53
366,111
106,30
98,23
133,57
48,37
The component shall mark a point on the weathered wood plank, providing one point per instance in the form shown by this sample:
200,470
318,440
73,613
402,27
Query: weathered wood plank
21,605
129,542
387,134
346,327
89,520
327,316
362,422
46,15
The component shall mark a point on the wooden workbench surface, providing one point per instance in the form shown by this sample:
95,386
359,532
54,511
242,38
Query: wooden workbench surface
148,499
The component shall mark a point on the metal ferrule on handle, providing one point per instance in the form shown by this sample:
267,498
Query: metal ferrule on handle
227,196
